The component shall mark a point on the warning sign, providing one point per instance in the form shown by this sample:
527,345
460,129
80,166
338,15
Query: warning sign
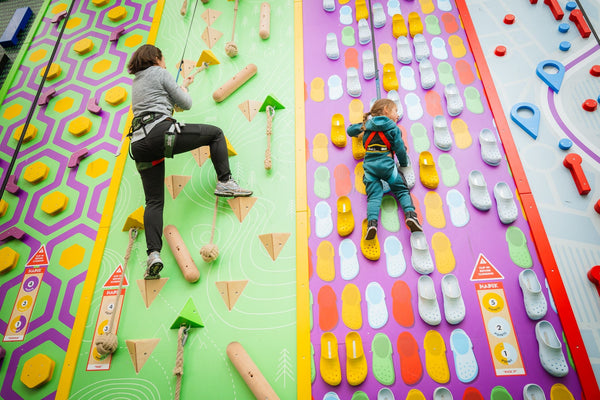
484,270
115,278
39,258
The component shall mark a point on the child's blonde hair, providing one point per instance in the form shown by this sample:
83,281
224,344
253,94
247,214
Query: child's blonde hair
378,109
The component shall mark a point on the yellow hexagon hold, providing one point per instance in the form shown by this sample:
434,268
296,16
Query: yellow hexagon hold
101,66
73,22
54,203
97,168
38,55
59,8
80,126
53,72
72,256
37,371
12,111
83,46
29,134
117,13
36,172
8,259
63,104
116,95
3,208
133,40
100,3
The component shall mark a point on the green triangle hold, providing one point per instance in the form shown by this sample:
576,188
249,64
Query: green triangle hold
271,101
188,316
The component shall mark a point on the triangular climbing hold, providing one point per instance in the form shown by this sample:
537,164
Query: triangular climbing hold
235,291
201,154
241,206
274,242
231,291
230,150
271,101
176,183
135,220
211,36
249,108
140,350
150,289
188,316
209,16
187,68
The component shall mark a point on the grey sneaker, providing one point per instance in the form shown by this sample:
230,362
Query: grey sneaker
231,189
412,221
153,266
371,229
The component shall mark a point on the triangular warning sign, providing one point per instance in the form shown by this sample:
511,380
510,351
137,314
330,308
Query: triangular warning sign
231,291
241,206
39,258
176,183
484,270
274,242
140,351
150,288
115,278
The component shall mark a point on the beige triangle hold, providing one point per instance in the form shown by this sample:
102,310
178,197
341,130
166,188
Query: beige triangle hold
274,242
210,16
235,289
241,206
223,290
176,183
250,108
201,154
140,350
188,67
211,36
150,289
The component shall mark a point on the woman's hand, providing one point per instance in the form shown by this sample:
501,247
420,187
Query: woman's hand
187,82
176,108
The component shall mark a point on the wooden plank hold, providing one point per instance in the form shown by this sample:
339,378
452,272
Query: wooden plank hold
234,83
182,255
248,370
264,30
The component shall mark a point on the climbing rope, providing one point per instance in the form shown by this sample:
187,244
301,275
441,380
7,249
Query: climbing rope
178,370
107,343
230,47
210,252
187,38
270,114
378,90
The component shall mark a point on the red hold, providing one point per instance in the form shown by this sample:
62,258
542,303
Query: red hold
590,105
597,206
594,277
595,70
577,17
500,51
573,162
509,19
557,11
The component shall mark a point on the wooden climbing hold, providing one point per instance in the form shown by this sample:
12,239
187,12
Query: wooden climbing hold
140,350
176,183
150,288
8,259
37,371
264,30
182,255
248,370
231,291
234,83
241,206
76,157
274,242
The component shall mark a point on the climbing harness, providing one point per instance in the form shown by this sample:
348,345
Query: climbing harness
379,146
142,125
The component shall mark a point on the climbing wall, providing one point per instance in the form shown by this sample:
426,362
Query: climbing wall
366,319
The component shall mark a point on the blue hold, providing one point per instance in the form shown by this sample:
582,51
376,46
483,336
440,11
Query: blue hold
17,23
553,80
570,6
564,46
564,27
565,144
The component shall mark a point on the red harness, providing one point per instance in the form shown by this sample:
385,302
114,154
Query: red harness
383,138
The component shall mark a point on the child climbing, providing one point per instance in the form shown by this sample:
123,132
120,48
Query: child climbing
382,139
156,135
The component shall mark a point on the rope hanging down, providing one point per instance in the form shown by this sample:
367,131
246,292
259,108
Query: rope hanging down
187,38
178,370
374,51
107,343
210,252
270,114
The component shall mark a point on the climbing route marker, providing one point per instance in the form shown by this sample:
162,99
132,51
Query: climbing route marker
530,124
553,80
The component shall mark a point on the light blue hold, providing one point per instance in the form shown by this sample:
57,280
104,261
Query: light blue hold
531,124
564,27
553,80
564,46
565,144
570,6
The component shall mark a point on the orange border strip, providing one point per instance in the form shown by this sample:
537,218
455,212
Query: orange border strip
585,372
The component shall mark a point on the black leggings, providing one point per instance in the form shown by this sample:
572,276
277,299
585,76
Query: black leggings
152,148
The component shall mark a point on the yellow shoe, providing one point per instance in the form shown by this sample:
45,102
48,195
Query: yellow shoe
399,26
390,80
414,23
415,394
369,248
351,312
361,10
356,363
338,130
358,150
345,218
329,365
427,172
436,363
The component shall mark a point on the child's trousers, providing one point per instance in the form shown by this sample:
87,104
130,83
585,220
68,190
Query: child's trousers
378,167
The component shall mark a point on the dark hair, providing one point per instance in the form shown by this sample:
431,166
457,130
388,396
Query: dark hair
145,56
